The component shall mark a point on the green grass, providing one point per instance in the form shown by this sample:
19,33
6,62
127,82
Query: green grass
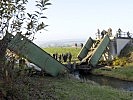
50,88
74,51
123,73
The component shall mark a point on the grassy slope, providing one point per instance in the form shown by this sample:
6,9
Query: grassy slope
124,73
49,88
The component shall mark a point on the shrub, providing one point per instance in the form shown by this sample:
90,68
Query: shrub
120,61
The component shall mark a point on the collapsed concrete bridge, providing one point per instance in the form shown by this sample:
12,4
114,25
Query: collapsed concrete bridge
103,48
106,48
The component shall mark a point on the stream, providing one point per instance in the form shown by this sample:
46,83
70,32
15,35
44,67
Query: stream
108,81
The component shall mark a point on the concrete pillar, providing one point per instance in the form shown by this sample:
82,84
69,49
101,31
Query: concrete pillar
121,43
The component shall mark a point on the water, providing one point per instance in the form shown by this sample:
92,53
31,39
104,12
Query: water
113,82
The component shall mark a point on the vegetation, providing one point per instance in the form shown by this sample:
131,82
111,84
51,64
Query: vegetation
123,73
64,88
28,86
120,61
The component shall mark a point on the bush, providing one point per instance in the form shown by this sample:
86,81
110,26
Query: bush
120,61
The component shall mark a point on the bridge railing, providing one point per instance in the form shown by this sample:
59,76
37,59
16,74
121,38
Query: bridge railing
124,35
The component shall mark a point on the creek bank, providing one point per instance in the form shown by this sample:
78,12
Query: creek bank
122,73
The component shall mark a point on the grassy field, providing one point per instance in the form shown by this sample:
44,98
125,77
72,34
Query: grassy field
74,51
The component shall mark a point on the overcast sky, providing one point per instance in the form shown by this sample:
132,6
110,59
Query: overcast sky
80,19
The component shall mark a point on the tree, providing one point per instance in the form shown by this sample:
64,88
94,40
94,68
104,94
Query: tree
14,19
